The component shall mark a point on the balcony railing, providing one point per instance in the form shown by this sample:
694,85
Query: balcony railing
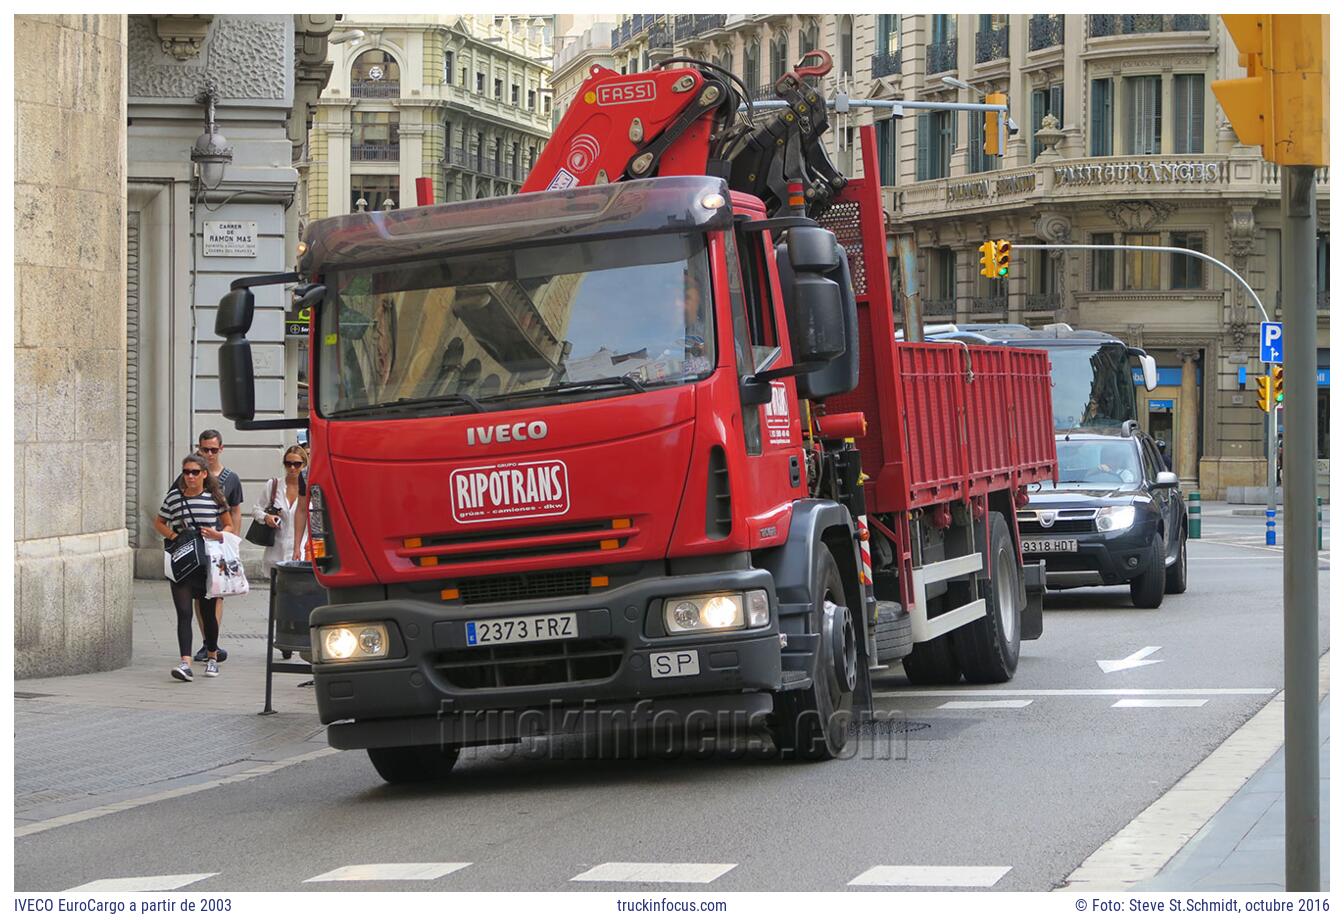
944,307
660,34
992,303
476,162
1045,31
375,89
1269,173
886,64
1043,302
708,23
766,91
942,56
375,153
1145,23
991,45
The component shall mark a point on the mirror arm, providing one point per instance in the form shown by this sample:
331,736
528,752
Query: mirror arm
259,280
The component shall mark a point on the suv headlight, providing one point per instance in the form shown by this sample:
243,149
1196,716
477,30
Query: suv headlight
1113,519
351,642
713,612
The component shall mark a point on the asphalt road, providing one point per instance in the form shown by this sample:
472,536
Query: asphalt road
1031,788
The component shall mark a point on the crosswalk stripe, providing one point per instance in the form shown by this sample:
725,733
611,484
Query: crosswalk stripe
985,704
144,883
388,872
694,873
933,876
1157,704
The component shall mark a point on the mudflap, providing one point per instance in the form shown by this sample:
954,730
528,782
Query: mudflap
1033,614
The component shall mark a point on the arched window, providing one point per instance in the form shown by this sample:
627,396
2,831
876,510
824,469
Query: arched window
779,56
809,38
846,45
375,75
751,64
725,59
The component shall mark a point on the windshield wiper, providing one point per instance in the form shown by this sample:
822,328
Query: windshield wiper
628,380
413,402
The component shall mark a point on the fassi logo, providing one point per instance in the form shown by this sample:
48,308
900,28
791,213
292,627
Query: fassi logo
499,434
641,91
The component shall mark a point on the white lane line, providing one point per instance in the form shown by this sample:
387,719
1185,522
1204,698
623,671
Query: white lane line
985,704
1086,691
144,883
933,876
388,872
696,873
1138,659
1151,703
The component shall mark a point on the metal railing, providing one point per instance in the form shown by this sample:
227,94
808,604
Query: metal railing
1045,31
945,307
765,91
941,56
709,23
1145,23
991,44
660,34
375,153
992,303
886,64
375,89
1043,301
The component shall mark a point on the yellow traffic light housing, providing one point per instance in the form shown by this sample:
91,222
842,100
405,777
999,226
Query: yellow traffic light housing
989,259
1276,381
1283,103
991,146
1003,255
1264,395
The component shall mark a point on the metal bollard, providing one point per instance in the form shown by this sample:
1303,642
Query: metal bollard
1193,516
1271,539
1320,530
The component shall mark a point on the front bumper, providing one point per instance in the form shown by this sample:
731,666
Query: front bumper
436,687
1101,559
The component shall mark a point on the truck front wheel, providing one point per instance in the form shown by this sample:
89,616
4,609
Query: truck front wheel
419,764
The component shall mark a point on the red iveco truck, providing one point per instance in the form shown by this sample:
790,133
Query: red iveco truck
640,443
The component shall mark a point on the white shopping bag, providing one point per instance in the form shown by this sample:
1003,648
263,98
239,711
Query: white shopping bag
226,578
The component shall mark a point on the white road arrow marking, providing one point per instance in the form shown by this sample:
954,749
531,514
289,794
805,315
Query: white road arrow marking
1132,661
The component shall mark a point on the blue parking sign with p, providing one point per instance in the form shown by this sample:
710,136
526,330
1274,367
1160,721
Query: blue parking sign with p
1271,343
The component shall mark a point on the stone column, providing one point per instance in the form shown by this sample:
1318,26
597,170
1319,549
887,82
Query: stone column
72,584
1188,464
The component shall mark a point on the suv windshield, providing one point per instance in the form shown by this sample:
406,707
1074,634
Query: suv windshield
1091,385
546,323
1097,461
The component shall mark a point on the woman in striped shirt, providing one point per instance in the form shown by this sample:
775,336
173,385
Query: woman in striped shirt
195,502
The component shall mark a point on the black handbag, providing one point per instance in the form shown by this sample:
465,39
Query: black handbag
264,534
186,551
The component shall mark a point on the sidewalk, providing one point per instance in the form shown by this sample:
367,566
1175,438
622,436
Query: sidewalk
82,741
1242,846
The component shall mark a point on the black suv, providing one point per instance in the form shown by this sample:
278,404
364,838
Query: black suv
1115,517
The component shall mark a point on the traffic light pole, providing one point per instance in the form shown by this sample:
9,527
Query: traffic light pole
1301,648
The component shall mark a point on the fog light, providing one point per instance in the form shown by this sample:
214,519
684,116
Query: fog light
1132,561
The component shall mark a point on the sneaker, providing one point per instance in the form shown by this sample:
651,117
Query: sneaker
203,655
211,669
182,672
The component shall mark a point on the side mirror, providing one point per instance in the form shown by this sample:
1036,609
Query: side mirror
818,319
1149,366
812,249
1167,480
237,387
234,316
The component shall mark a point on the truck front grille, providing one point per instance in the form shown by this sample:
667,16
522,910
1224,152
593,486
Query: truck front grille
531,664
493,589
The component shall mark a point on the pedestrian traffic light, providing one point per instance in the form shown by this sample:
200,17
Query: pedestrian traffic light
1264,391
989,259
1276,377
1282,104
1003,254
992,124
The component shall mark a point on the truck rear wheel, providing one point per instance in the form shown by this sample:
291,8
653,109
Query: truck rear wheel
988,648
420,764
813,724
932,662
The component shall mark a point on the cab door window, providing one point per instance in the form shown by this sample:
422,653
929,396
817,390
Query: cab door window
742,341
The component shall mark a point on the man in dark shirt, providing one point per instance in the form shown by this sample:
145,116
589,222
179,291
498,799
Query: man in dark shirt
210,445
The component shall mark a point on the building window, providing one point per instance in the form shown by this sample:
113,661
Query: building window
531,100
447,137
1142,269
887,54
936,137
517,162
1143,115
887,149
499,89
464,77
374,190
375,75
480,82
545,105
531,157
373,137
448,61
1187,272
1042,271
751,65
1049,100
1188,109
846,45
1103,262
942,290
1102,118
725,60
779,56
1323,270
976,159
515,94
809,39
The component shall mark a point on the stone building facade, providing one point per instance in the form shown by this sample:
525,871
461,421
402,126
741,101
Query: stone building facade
72,578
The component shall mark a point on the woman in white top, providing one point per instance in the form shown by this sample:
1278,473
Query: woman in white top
289,496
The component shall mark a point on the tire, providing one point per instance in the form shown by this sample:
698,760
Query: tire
933,662
813,724
987,649
1177,570
1149,588
420,764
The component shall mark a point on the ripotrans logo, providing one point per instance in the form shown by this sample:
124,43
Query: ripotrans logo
536,488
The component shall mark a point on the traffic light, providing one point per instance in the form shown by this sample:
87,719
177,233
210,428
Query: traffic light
1264,392
1276,377
989,259
1283,103
1003,254
992,124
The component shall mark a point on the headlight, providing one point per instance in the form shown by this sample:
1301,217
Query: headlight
708,612
352,642
1112,519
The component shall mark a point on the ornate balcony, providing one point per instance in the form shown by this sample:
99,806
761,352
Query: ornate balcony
1043,303
991,45
993,303
886,64
375,89
941,57
944,307
1145,24
1045,31
375,153
708,23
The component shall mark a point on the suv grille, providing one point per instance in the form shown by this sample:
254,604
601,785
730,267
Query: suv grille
531,664
1070,521
523,586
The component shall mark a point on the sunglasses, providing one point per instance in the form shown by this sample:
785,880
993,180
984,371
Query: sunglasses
209,450
296,464
192,472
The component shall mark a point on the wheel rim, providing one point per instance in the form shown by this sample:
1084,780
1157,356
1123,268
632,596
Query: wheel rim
848,666
1005,593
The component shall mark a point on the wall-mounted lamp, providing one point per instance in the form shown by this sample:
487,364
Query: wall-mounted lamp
211,152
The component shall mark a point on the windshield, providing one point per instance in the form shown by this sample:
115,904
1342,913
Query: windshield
575,321
1091,386
1097,462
